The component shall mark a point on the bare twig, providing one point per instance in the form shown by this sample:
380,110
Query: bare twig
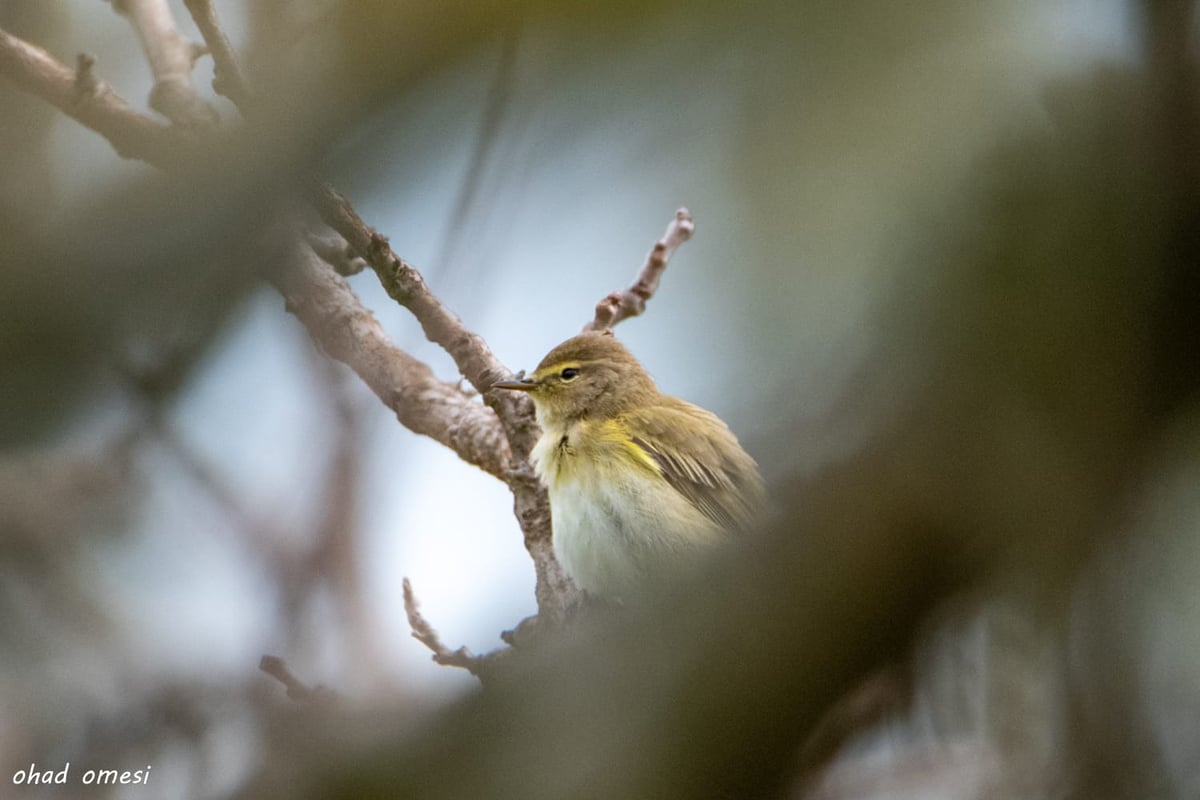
92,102
619,306
227,75
277,668
171,59
424,633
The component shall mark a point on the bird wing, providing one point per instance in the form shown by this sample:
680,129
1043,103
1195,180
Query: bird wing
710,469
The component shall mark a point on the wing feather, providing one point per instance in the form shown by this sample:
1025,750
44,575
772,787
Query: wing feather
711,469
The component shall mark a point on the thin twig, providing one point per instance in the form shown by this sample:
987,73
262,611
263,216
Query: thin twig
619,306
424,633
171,59
228,80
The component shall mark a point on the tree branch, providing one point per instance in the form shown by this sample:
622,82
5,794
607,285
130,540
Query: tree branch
319,298
556,594
403,283
406,286
171,59
227,75
619,306
348,332
89,101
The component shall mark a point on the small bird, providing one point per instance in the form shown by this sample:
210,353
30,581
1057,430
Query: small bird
640,483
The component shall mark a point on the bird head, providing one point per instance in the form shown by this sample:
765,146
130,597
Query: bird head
589,375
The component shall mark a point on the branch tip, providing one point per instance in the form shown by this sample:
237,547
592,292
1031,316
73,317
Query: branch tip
424,633
683,218
631,302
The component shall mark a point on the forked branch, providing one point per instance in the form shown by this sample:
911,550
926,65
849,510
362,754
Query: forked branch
171,59
227,75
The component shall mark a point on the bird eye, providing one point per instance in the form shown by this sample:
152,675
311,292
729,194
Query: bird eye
569,374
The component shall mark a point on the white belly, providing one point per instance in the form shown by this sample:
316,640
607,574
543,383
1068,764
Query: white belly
616,545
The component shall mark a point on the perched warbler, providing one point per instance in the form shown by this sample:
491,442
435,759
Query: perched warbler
640,483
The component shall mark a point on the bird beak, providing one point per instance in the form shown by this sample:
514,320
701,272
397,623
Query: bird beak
523,385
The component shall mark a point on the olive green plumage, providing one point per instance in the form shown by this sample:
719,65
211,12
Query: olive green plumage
640,483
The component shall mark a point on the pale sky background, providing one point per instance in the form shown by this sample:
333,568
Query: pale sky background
566,213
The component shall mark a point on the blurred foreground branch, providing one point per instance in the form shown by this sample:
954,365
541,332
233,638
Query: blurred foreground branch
297,690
